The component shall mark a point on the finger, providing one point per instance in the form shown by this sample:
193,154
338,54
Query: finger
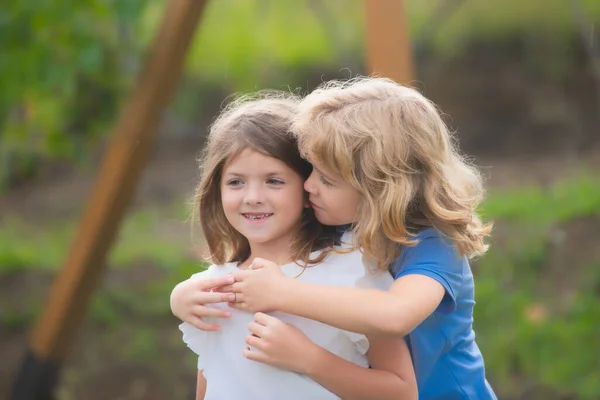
239,306
255,341
255,355
212,297
224,289
265,319
256,266
203,326
258,329
240,275
209,283
206,312
237,288
234,297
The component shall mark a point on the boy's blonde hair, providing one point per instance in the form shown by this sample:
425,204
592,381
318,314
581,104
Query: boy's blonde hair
390,143
261,122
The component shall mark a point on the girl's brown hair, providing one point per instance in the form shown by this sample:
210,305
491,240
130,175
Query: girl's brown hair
390,143
261,122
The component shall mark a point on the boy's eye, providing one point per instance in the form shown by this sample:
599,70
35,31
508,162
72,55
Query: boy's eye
324,181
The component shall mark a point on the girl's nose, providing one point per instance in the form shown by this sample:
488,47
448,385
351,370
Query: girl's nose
254,195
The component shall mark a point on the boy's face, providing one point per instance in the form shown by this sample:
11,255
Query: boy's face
334,201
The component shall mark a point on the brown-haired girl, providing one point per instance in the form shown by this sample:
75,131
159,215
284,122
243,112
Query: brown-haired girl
252,204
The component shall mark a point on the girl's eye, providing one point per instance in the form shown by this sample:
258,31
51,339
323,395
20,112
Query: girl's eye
275,181
234,182
324,181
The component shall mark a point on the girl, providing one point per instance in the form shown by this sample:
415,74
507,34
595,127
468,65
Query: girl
386,165
252,204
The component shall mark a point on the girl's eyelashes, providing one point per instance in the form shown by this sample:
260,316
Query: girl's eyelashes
324,181
270,181
275,181
234,182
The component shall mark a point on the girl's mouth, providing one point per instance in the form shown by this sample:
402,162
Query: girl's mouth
256,216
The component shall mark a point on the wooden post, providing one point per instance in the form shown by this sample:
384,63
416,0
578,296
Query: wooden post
119,173
388,46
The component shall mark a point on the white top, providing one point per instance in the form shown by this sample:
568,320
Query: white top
231,376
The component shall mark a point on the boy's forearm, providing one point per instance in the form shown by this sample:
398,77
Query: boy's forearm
365,311
352,382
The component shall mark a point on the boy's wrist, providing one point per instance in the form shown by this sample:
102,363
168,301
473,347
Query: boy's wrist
285,294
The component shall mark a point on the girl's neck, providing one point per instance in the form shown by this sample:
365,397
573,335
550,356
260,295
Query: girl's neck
279,255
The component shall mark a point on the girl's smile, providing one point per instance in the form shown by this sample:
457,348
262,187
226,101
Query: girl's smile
263,199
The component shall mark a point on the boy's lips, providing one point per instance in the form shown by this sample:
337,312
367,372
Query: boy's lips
313,205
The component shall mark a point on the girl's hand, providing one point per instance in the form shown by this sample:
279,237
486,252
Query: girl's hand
258,289
188,301
279,344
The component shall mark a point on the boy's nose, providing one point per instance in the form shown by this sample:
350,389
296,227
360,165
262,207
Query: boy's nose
309,185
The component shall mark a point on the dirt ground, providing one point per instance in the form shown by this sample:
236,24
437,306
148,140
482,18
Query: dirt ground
519,129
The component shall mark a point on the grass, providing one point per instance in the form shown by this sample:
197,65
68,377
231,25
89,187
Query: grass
530,338
26,246
566,200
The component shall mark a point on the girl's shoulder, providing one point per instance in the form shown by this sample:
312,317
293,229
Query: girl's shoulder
348,267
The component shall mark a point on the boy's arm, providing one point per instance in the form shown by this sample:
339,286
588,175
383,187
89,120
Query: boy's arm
410,300
430,276
391,376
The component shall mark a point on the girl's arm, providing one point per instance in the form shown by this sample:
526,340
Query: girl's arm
410,300
200,386
285,346
391,375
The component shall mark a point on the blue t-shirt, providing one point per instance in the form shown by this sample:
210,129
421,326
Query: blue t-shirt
448,364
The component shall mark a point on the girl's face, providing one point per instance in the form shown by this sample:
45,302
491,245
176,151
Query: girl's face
334,201
263,199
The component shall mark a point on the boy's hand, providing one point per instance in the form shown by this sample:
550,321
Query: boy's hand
258,289
279,344
188,301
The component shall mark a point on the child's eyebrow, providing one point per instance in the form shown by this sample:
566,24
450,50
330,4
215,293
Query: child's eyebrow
267,175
